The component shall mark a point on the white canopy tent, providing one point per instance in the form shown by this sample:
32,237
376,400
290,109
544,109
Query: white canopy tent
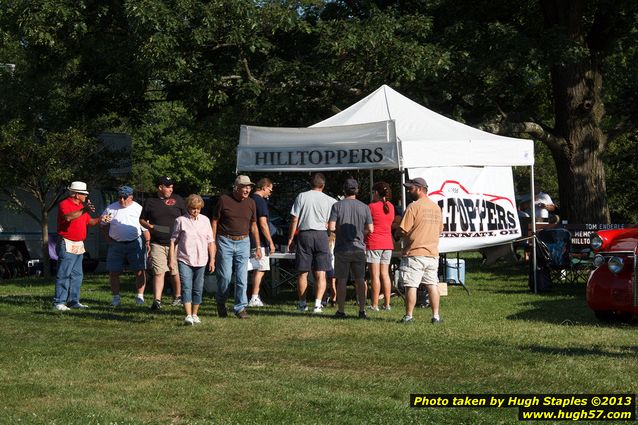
428,139
424,139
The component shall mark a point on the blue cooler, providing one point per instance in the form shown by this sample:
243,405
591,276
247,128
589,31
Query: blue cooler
455,271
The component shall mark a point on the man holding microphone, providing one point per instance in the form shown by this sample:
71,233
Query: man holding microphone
73,219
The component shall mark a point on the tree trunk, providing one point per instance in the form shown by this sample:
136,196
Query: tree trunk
46,261
578,111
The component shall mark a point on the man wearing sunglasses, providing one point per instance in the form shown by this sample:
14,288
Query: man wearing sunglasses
128,242
73,219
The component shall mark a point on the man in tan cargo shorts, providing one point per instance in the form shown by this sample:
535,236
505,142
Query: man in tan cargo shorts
420,229
158,216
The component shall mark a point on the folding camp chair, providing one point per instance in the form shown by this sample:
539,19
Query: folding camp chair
562,264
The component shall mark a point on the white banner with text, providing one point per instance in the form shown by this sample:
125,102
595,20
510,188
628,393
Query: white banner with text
346,147
477,203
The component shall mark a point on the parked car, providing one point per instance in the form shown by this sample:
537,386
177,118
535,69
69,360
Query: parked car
612,290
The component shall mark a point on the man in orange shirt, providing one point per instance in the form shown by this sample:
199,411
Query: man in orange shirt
420,229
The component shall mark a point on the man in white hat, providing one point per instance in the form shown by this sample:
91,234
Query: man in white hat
234,218
73,219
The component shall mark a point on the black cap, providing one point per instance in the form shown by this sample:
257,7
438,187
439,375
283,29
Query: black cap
416,182
164,181
350,184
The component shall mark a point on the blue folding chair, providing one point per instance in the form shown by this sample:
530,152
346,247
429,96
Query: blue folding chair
562,265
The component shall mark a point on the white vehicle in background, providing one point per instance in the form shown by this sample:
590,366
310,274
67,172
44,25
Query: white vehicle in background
21,237
21,234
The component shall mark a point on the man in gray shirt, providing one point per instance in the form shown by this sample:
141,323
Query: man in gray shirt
351,220
310,214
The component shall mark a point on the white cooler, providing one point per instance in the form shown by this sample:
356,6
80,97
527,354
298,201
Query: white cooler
455,271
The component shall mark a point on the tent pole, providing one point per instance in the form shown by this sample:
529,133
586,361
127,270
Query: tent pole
533,211
371,183
403,191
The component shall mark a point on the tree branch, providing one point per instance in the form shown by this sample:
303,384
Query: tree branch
17,202
625,125
533,129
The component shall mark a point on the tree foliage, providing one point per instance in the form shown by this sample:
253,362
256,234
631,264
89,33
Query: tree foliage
181,76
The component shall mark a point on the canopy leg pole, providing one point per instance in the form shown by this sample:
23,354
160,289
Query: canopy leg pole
371,182
403,200
533,211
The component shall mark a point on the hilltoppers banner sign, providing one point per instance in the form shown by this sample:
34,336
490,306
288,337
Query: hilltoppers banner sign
477,203
346,147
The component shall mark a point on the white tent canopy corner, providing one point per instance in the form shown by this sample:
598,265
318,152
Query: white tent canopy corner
428,139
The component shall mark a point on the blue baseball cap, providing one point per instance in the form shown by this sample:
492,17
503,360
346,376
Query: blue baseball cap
125,191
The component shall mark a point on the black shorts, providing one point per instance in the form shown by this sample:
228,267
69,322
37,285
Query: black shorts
312,251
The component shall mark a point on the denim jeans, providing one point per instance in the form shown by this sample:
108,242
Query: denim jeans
69,277
232,255
192,279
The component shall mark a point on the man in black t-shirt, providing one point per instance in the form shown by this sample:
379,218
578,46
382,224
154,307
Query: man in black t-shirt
158,216
263,190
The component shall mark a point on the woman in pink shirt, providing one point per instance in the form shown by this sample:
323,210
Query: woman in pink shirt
379,244
192,247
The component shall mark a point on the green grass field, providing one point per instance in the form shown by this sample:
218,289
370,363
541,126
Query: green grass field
131,366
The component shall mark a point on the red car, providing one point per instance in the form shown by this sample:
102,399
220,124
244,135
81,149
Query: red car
612,290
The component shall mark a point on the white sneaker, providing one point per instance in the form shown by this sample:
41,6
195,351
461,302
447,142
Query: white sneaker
255,302
60,307
196,319
79,306
302,307
373,308
116,301
189,320
318,309
139,300
384,308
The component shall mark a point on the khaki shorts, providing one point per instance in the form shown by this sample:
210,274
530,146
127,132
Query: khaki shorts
348,261
262,265
159,259
415,271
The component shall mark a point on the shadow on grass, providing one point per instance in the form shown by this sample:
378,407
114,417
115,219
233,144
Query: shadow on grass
97,313
327,314
564,310
43,306
619,353
28,281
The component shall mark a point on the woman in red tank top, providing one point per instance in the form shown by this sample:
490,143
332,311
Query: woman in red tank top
379,244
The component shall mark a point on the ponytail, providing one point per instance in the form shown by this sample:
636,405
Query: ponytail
386,208
383,189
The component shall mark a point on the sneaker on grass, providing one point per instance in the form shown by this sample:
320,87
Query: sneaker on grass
318,309
302,307
255,302
139,300
407,319
189,321
339,315
177,302
78,306
60,307
196,319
